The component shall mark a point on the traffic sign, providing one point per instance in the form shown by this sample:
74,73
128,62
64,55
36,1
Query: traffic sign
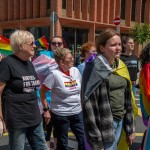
117,21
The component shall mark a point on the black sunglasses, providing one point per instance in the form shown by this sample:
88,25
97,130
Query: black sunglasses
57,43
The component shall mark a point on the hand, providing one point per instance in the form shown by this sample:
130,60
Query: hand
5,129
4,125
130,139
47,116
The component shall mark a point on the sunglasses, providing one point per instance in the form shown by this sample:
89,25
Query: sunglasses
57,43
31,44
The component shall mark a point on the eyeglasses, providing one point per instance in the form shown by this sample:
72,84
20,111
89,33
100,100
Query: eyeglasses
31,44
57,43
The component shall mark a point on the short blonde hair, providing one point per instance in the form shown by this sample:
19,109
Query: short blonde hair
60,54
19,37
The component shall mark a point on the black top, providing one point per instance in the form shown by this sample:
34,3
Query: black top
131,62
19,100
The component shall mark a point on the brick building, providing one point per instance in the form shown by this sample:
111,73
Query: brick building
78,20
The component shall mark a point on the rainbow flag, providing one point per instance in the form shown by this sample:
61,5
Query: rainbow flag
42,42
5,46
144,83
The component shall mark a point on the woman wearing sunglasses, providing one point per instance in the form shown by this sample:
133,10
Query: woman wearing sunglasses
55,42
18,83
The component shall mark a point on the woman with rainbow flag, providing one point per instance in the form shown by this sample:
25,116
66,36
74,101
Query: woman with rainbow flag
107,100
144,83
44,64
18,84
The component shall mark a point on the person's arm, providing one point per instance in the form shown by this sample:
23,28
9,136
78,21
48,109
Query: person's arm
93,134
91,130
2,86
5,74
129,122
47,85
47,115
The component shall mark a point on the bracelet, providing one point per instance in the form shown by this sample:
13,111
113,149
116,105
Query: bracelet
46,109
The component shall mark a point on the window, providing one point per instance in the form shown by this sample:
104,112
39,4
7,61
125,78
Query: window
8,32
40,31
133,10
123,8
48,4
74,38
64,4
143,10
73,4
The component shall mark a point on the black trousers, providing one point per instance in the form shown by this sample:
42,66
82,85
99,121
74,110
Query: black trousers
61,127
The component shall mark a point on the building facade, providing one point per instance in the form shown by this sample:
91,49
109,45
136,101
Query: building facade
78,21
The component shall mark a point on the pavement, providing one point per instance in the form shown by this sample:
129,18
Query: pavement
72,143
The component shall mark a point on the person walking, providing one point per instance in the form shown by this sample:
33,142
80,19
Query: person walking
55,42
106,95
18,83
130,60
88,53
65,109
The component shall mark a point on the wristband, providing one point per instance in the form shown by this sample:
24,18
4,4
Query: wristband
46,109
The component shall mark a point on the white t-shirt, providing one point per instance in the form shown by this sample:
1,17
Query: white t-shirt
65,91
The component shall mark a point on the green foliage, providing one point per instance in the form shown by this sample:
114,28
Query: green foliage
141,33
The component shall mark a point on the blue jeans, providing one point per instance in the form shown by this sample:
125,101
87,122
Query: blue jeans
61,127
35,136
118,125
134,89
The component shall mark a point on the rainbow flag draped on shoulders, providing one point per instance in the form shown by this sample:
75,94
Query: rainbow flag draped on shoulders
5,47
42,42
123,71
